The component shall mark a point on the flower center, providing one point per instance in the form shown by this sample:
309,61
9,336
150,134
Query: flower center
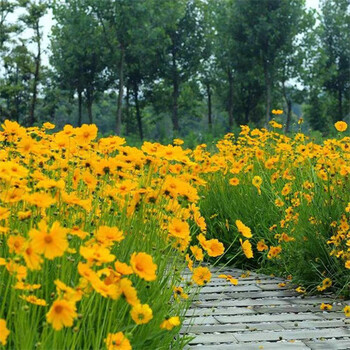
58,309
48,239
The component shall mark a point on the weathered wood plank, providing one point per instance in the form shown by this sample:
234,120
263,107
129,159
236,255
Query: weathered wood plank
259,314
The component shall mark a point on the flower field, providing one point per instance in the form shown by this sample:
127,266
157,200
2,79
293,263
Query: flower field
95,234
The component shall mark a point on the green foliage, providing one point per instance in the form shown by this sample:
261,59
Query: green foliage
309,259
176,68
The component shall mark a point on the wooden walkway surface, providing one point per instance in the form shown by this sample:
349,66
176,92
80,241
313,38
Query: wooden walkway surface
259,314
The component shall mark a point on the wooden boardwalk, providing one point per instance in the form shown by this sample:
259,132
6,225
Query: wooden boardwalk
259,314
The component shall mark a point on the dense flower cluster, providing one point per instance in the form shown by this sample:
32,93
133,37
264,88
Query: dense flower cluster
92,229
95,234
289,199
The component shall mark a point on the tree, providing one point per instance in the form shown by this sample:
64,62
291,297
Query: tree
79,60
31,19
6,29
119,20
15,86
183,49
141,59
266,27
291,56
207,70
335,47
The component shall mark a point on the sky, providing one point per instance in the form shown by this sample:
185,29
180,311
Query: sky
47,22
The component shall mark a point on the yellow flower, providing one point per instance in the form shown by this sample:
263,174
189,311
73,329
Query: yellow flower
197,252
201,275
31,258
4,332
117,341
327,282
179,229
230,279
179,292
123,268
68,293
143,266
4,213
243,229
261,246
257,181
234,181
141,313
324,306
86,133
52,243
274,252
214,247
277,111
15,243
178,142
341,126
49,126
170,323
346,311
61,314
129,291
108,235
276,125
96,254
34,300
247,248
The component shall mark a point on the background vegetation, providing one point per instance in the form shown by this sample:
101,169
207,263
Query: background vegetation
159,68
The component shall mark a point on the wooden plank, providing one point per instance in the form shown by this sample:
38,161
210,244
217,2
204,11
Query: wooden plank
258,314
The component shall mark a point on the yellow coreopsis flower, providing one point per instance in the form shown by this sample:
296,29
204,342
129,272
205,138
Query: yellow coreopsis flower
214,247
201,275
170,323
143,266
61,314
117,341
247,248
52,243
4,332
257,181
243,229
341,126
141,313
324,306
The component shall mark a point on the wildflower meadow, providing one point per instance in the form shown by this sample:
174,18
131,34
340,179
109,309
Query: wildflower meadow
95,235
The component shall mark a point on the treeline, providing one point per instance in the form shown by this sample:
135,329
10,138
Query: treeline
158,68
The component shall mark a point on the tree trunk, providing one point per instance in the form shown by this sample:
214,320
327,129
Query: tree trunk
127,116
89,108
289,115
138,110
289,107
80,103
36,78
89,98
16,98
268,94
230,99
120,94
175,117
210,120
340,104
